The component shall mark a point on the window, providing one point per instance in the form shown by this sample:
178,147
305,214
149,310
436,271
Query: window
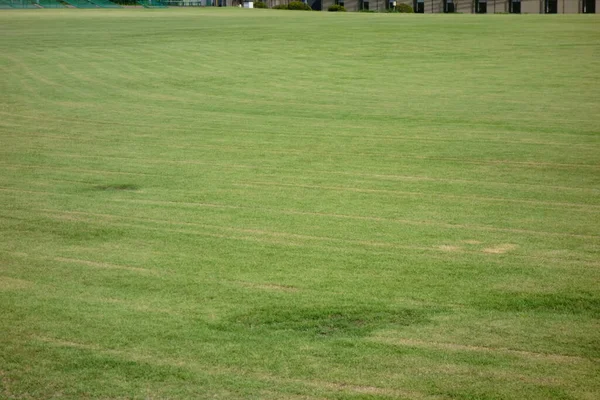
589,7
419,6
449,6
515,6
551,6
481,6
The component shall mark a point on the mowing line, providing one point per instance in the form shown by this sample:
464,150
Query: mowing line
194,366
324,172
352,173
361,136
98,264
70,169
533,164
486,349
502,249
366,218
25,67
343,216
227,117
273,234
421,194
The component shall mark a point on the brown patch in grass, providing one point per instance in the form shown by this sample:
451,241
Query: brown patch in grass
449,248
97,264
67,343
371,390
270,286
7,283
71,217
470,241
137,306
500,249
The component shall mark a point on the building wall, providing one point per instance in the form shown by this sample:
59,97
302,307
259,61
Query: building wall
530,6
463,6
351,5
377,5
466,6
569,6
355,5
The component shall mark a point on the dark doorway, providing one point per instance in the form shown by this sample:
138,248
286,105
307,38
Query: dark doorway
419,6
364,5
448,6
551,6
515,7
481,6
316,5
589,7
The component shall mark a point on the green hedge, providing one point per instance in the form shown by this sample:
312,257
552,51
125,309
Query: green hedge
298,5
336,8
404,8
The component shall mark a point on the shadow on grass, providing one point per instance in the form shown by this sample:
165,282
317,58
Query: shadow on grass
325,321
117,187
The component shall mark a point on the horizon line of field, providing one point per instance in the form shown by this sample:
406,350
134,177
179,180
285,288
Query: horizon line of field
258,168
432,223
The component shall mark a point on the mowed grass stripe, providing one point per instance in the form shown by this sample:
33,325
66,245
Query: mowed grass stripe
380,156
434,191
582,207
523,175
291,237
291,173
401,221
457,132
279,173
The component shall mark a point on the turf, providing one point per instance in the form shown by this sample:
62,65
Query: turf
287,205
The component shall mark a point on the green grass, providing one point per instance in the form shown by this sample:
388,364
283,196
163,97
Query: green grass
285,205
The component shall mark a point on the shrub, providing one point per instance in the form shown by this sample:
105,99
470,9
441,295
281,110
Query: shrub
404,8
336,8
280,7
260,4
298,5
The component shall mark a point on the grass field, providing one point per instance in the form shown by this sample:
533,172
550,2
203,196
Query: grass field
285,205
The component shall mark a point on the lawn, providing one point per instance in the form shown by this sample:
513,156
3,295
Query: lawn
230,203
